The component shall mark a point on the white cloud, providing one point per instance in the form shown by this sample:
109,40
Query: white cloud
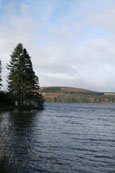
64,52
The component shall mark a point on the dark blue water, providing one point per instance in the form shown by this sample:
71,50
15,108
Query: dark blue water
63,138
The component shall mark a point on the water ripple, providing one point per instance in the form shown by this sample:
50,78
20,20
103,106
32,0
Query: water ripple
63,138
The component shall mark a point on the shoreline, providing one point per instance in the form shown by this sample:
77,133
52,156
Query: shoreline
17,110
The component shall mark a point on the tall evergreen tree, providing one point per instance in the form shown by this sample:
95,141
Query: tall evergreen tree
0,74
22,81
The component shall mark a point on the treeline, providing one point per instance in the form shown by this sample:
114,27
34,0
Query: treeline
75,95
23,84
82,98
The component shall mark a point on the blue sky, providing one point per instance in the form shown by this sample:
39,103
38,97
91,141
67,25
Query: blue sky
71,42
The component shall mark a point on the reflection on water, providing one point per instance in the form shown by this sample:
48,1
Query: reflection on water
62,138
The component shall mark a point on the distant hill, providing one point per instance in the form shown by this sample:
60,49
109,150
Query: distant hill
77,95
64,89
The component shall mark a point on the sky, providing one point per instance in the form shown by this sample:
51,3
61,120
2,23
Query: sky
71,42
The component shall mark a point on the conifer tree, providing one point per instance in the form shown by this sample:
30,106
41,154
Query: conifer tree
0,74
22,81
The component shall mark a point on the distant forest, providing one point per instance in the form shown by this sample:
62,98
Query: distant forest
75,95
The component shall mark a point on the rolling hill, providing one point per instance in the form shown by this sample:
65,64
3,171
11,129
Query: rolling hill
78,95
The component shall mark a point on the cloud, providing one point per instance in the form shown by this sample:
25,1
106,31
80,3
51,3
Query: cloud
71,44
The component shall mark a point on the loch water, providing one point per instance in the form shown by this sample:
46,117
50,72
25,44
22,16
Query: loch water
62,138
